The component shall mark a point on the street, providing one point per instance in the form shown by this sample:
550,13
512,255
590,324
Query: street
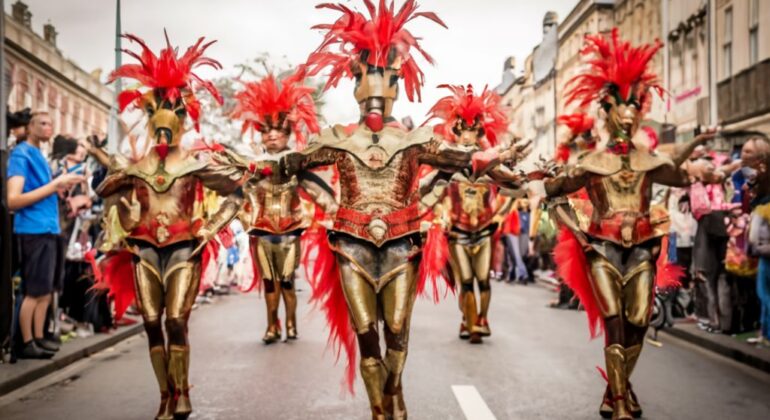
538,364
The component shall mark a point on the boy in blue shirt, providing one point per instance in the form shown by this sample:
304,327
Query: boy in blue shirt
32,198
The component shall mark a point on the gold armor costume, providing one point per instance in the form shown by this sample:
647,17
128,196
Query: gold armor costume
156,214
277,209
375,236
276,214
472,204
618,230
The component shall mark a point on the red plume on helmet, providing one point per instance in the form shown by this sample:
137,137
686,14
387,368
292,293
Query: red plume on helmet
382,35
615,68
463,104
167,73
579,123
286,103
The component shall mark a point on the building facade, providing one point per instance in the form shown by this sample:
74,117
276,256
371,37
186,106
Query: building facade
38,76
588,17
687,75
742,51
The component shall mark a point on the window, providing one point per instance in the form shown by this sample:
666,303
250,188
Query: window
63,109
39,94
727,45
75,116
22,92
753,32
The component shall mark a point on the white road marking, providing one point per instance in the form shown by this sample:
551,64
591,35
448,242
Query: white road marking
471,403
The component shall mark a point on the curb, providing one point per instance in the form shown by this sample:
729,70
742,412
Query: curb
730,352
55,364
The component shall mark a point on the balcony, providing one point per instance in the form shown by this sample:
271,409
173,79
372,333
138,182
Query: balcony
745,95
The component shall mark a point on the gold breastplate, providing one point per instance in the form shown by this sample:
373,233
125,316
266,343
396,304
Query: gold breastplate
623,191
159,174
276,207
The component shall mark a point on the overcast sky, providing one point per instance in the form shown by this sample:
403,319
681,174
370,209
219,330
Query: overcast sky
481,35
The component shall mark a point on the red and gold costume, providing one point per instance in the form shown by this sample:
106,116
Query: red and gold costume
277,209
155,213
366,269
473,205
610,243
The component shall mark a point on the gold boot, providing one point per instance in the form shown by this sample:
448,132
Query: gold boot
290,300
159,363
471,316
273,332
394,398
615,358
178,368
373,373
632,356
485,296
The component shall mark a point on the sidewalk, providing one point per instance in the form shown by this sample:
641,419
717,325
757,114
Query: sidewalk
726,345
729,346
14,376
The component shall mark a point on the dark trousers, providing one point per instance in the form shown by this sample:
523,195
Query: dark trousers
709,260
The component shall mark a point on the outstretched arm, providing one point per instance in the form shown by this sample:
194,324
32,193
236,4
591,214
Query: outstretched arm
671,176
683,151
568,180
314,156
444,157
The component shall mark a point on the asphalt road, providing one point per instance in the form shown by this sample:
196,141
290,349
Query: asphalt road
538,364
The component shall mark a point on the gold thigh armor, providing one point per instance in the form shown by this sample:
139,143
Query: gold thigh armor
630,293
277,256
379,283
165,279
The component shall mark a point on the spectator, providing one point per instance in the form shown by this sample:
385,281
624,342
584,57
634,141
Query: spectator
32,196
75,222
683,227
756,159
708,204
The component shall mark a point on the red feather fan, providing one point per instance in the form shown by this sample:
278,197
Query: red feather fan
325,280
572,268
115,274
464,104
435,256
381,35
268,101
614,66
168,74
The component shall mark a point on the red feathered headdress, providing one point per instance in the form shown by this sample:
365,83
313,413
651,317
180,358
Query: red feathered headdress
382,36
483,111
615,69
287,104
169,75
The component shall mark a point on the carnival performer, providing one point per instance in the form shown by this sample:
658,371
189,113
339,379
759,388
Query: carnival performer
473,205
608,253
277,210
366,269
154,212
